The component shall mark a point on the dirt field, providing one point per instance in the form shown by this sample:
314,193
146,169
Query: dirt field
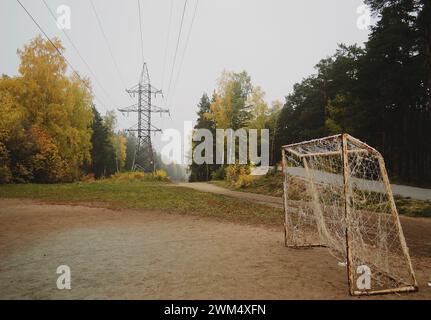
129,254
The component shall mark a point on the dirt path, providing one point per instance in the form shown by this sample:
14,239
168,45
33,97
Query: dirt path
254,197
152,255
412,192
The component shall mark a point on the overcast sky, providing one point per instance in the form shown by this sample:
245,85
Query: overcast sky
277,42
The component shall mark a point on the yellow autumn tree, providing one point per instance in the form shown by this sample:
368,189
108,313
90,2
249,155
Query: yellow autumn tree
118,141
51,137
258,108
229,108
120,148
11,116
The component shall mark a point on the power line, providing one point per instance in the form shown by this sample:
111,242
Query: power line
167,44
140,29
79,54
176,49
185,48
144,128
59,51
107,43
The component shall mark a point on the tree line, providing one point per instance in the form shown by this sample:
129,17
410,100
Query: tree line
50,130
379,93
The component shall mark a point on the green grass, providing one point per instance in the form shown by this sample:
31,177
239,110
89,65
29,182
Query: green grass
152,195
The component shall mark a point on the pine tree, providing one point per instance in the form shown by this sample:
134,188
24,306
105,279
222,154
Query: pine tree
203,172
103,153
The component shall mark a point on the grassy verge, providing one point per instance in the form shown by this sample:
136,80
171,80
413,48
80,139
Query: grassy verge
413,207
272,185
150,195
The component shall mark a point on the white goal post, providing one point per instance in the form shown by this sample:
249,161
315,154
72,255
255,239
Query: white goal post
337,195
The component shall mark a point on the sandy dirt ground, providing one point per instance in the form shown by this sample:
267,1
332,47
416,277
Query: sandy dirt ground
128,254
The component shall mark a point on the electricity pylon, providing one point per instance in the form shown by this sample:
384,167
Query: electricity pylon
144,108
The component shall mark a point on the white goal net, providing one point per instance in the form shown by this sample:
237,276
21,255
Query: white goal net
337,194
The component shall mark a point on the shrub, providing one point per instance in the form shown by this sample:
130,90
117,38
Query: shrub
244,181
219,174
234,171
128,176
160,175
138,175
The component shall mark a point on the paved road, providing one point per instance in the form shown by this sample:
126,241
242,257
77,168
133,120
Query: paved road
412,192
368,185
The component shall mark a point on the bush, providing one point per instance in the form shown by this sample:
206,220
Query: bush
219,174
238,175
128,176
244,181
234,171
159,175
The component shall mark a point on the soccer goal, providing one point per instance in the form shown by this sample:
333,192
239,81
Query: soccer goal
337,195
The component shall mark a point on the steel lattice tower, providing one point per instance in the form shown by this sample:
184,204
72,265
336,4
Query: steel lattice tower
144,108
